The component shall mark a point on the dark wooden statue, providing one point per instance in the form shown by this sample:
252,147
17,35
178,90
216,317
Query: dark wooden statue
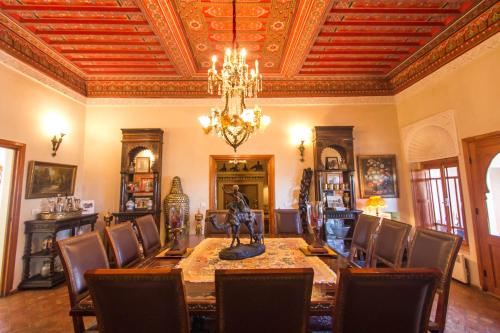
239,213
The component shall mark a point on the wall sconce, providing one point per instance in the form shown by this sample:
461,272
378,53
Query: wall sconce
56,127
301,136
56,142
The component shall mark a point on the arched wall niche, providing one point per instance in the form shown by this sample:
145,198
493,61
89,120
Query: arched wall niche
430,139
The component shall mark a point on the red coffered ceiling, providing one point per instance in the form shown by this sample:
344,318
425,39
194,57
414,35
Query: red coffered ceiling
159,48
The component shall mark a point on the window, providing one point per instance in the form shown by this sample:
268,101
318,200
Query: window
437,196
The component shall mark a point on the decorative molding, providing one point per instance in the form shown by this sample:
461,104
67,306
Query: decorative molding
39,77
330,101
478,30
456,64
419,139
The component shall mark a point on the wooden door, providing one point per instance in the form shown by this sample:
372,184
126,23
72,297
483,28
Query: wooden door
422,198
483,154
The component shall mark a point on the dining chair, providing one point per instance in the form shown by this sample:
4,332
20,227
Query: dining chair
430,248
288,222
362,239
139,300
148,233
79,254
124,244
259,219
390,242
220,215
263,300
390,300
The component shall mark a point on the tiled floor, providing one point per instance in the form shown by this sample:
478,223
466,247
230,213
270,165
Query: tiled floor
469,311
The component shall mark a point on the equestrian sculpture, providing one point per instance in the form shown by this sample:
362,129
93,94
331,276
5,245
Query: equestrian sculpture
239,213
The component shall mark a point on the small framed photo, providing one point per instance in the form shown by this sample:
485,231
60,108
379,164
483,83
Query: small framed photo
331,163
333,178
141,202
88,206
142,164
147,184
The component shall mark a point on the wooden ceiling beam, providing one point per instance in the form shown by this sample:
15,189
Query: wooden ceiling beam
386,23
347,66
113,51
366,43
97,59
131,72
88,32
360,59
374,34
396,10
69,8
82,21
360,51
342,72
159,67
105,42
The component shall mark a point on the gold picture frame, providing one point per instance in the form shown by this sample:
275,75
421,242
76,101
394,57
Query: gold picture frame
378,176
46,180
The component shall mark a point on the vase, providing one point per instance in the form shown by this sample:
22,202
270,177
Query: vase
45,272
174,198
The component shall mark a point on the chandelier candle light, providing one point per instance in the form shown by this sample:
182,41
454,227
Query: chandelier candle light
235,123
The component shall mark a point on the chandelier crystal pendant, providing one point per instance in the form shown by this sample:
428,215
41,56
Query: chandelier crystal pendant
235,123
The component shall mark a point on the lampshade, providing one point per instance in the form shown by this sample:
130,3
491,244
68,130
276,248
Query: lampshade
376,201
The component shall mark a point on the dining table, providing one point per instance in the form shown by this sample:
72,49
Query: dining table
281,252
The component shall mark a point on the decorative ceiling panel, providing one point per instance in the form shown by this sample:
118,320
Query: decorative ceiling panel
162,48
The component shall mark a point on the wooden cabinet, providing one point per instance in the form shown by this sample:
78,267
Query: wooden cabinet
49,229
334,172
140,174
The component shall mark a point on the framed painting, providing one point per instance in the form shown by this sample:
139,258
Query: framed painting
142,164
47,180
378,176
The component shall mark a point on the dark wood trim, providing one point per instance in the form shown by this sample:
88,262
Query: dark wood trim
469,149
212,180
12,227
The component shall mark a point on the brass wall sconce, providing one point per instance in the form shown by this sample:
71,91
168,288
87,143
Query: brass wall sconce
56,142
302,148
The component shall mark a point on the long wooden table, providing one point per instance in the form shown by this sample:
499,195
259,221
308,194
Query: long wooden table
199,268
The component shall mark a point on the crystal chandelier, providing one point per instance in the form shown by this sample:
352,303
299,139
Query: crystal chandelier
235,123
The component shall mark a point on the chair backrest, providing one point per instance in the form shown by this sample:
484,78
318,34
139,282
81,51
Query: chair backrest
366,225
263,300
389,300
148,232
391,241
220,214
288,221
124,244
79,254
431,248
138,300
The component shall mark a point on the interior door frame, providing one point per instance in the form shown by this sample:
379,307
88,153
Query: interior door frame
212,181
13,215
472,178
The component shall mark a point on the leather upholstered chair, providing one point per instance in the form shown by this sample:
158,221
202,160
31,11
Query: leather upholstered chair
263,300
259,218
138,300
432,248
390,300
148,233
390,243
124,244
220,214
288,221
79,254
362,238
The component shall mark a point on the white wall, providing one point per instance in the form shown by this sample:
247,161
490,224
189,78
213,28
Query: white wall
186,148
6,169
24,107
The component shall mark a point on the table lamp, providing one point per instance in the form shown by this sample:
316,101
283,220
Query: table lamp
376,202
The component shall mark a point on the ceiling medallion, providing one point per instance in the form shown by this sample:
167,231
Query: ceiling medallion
235,123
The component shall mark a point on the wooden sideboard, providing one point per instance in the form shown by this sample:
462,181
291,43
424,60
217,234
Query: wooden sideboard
49,228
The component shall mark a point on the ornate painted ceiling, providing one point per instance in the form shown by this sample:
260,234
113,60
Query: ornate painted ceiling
162,48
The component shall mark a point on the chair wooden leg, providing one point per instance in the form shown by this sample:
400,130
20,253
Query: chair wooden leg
441,310
78,324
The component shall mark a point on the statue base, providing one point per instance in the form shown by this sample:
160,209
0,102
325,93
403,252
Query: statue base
242,252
